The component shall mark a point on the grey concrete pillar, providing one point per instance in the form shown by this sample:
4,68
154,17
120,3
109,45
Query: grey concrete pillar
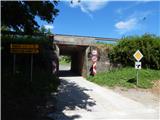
86,69
57,52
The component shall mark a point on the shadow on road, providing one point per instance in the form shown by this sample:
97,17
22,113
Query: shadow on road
71,98
67,73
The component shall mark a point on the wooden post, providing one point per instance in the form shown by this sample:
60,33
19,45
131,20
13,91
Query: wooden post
31,66
14,63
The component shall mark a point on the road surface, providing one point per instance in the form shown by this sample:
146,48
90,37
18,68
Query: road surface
79,99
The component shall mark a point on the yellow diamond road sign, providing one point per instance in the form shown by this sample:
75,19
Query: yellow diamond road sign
138,55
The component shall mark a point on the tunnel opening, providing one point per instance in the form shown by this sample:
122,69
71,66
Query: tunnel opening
65,65
65,62
76,55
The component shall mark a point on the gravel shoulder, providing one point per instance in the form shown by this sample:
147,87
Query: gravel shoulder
145,96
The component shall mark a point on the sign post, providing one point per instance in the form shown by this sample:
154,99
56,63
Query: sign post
94,60
14,63
138,56
137,66
24,49
137,76
31,66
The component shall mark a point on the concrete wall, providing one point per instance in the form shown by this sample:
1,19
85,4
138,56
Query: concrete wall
103,63
73,40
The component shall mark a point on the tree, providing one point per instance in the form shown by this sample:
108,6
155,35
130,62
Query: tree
49,31
43,29
20,15
4,28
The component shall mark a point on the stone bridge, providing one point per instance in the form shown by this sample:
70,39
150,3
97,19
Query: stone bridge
79,49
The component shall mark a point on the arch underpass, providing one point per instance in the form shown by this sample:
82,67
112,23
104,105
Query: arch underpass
78,48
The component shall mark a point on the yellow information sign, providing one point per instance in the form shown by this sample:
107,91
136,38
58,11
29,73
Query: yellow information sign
138,55
24,48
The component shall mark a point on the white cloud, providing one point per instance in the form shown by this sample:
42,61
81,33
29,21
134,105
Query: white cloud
94,5
89,6
123,9
119,11
135,21
49,26
141,14
126,26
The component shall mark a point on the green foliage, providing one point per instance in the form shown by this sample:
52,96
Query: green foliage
126,77
65,59
44,30
4,28
20,95
41,39
49,31
20,15
23,60
149,45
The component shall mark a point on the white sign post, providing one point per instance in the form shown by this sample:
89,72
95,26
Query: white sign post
138,56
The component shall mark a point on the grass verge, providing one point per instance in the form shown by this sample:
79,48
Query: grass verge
126,77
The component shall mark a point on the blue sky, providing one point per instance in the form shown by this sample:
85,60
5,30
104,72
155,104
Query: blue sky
109,19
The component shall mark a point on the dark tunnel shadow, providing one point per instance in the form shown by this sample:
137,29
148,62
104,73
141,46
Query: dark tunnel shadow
71,97
67,73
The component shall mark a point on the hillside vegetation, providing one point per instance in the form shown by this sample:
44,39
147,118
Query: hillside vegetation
148,44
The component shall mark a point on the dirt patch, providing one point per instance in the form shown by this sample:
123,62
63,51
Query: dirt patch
148,97
156,88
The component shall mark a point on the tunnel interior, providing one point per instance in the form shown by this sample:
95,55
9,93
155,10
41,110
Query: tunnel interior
65,62
77,54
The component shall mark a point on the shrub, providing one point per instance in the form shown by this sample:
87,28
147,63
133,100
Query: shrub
65,59
148,44
20,95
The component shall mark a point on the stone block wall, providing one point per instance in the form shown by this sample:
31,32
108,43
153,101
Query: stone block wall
103,62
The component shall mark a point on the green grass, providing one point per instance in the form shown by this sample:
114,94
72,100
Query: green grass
126,77
64,62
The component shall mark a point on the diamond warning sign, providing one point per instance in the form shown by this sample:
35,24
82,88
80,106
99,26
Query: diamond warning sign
138,55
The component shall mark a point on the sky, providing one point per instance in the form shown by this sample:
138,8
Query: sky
108,19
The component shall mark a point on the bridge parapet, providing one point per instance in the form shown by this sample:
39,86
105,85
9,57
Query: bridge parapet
73,40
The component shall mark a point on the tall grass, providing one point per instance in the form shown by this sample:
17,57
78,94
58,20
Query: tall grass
126,77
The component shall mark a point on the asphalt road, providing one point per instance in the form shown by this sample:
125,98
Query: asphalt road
79,99
64,67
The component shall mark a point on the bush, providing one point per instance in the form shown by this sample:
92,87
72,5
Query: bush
148,44
65,59
20,95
